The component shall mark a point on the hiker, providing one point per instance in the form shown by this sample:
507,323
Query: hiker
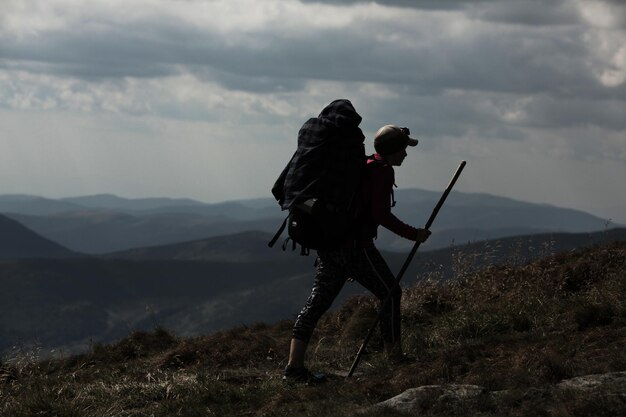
356,258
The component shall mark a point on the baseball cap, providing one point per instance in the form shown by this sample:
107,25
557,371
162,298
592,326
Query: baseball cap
391,139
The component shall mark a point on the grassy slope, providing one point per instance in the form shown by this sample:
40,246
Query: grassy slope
520,329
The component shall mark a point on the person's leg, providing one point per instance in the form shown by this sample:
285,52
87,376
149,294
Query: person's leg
370,270
329,280
297,350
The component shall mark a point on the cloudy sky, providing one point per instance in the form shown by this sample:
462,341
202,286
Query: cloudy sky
203,98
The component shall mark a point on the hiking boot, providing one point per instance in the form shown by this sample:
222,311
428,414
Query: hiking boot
294,374
401,359
396,357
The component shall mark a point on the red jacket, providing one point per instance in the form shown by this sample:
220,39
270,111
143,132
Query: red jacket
376,201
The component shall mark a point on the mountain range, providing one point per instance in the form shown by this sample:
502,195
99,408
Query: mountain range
84,269
102,224
55,298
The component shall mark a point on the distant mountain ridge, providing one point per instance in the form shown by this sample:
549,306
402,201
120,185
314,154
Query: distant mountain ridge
34,205
198,268
106,223
113,202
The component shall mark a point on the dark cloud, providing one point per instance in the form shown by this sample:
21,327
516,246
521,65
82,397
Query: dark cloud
519,61
499,61
529,12
520,12
618,10
250,82
91,54
548,112
440,116
413,4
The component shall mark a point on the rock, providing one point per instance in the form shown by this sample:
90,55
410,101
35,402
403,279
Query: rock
614,380
420,398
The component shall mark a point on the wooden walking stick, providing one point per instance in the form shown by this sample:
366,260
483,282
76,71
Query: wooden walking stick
416,246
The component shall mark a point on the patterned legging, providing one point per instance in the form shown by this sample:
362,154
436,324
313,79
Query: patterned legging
368,268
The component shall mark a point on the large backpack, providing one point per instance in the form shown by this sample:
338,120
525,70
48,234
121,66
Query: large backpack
319,184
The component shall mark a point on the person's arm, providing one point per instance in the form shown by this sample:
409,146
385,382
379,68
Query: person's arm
382,183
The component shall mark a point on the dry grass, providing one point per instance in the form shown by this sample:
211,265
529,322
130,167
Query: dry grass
519,328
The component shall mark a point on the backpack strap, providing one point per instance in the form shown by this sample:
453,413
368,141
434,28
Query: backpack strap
286,244
280,231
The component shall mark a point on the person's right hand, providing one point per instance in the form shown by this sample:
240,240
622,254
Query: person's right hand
422,235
